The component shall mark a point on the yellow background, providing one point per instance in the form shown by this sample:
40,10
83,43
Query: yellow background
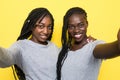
103,17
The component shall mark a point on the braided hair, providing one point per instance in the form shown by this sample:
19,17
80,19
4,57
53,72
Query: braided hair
66,39
29,23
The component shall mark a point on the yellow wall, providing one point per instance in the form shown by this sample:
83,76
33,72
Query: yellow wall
103,17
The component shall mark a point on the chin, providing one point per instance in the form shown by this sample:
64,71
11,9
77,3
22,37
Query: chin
78,41
43,42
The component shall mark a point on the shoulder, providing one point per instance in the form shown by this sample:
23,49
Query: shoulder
91,45
94,43
20,43
52,44
98,42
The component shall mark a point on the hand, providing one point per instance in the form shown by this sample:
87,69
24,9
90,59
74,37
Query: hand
118,37
90,39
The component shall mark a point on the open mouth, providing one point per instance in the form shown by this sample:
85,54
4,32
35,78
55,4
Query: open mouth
77,35
44,37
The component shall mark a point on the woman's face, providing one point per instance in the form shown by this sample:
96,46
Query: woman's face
77,27
42,30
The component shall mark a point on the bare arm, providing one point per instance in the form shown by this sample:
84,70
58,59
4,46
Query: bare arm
118,37
108,50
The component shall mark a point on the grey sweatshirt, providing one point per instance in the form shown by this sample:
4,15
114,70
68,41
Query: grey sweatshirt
37,61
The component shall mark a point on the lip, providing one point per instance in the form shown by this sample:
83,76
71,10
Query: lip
77,35
43,37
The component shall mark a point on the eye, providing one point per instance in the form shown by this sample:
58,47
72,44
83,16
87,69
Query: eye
71,27
41,26
80,25
50,27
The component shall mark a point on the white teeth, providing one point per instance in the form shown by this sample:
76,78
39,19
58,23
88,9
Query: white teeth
44,36
78,35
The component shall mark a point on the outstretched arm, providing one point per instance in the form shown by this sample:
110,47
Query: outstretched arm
118,36
7,57
108,50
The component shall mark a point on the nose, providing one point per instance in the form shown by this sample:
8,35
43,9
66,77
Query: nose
76,29
45,30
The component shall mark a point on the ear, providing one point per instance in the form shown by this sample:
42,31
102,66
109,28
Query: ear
33,28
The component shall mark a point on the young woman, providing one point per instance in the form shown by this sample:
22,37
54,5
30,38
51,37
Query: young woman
33,52
79,59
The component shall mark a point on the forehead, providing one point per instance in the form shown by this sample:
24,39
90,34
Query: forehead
44,19
76,18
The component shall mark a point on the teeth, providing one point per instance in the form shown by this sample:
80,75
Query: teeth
78,35
44,36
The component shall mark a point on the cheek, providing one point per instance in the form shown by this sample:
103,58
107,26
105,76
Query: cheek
70,30
83,28
36,29
50,31
70,33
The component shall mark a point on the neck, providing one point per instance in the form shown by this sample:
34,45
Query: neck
39,42
79,45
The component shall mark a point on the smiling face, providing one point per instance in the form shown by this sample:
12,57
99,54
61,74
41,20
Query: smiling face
77,27
42,30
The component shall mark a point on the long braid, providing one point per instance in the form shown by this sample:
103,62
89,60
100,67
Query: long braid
63,53
66,39
26,32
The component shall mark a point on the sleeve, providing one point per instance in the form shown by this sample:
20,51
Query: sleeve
97,42
8,56
94,44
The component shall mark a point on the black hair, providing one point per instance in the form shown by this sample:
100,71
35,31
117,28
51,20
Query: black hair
66,39
26,31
